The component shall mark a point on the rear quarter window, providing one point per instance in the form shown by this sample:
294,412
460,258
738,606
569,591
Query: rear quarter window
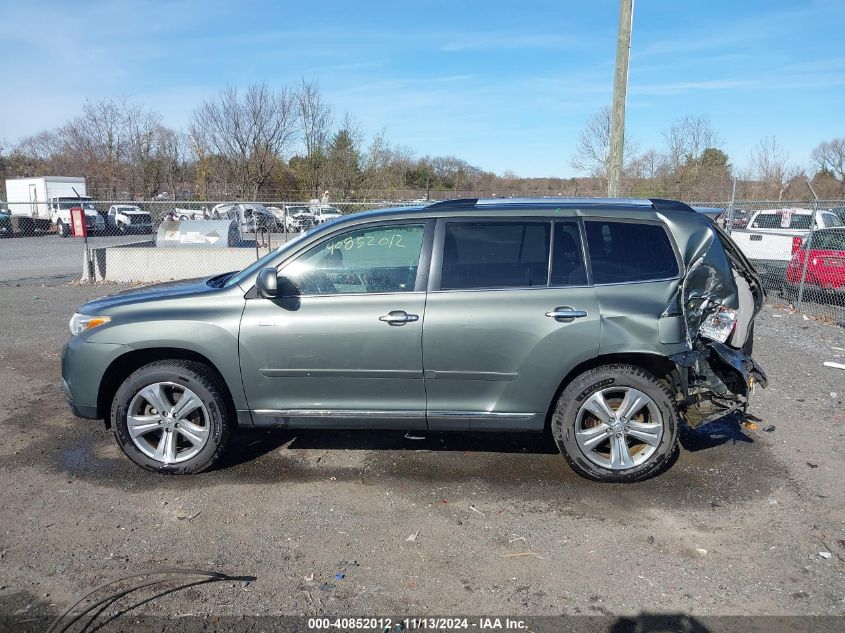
629,251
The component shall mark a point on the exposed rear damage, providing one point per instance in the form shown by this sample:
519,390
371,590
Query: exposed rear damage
719,298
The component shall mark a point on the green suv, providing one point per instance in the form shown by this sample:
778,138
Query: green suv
607,323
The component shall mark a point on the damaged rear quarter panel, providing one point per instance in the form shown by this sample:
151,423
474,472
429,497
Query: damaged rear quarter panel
664,317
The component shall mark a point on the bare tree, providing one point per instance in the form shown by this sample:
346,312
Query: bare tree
252,131
772,168
315,121
829,157
687,139
142,132
592,149
98,137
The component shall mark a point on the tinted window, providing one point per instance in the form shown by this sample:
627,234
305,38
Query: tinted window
831,219
378,259
800,221
627,251
828,241
567,257
495,255
767,221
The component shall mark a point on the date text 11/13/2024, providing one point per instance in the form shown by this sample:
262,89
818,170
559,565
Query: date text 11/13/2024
395,625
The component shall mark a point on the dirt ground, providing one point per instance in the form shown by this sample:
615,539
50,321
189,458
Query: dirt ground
372,522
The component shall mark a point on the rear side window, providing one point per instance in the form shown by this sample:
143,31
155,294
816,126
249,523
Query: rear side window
831,219
495,255
628,251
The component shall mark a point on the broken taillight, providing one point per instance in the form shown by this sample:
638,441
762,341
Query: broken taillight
719,324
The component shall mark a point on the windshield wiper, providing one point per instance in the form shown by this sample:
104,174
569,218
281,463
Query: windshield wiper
219,280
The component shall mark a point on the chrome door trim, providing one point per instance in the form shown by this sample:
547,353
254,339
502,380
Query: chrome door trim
271,372
481,415
339,413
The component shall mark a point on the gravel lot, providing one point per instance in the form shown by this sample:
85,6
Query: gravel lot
501,525
50,256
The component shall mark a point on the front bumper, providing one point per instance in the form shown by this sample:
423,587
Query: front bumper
80,411
83,366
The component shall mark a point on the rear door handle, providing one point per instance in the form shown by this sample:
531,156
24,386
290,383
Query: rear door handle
399,317
566,314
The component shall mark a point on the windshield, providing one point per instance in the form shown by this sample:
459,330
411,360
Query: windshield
264,261
71,203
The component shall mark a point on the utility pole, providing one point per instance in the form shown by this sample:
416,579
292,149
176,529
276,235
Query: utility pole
620,91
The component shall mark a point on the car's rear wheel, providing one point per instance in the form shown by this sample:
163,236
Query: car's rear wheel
62,229
171,417
616,423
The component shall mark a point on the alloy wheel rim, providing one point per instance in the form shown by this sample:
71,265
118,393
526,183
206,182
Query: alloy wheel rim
619,428
168,422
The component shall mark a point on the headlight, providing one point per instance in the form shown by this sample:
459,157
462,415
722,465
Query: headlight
82,323
719,325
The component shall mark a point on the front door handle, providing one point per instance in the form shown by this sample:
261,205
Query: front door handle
566,314
399,317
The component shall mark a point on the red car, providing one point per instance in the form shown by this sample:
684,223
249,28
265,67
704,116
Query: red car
825,266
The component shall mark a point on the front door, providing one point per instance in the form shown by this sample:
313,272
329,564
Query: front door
342,345
509,313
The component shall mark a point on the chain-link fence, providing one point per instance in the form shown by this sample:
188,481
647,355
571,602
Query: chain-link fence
798,247
136,242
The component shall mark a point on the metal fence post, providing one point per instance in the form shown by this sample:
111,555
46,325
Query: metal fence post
730,222
809,245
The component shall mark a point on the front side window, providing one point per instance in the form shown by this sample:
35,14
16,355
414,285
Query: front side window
370,260
493,254
629,251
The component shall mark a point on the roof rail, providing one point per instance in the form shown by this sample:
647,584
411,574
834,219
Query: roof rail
458,202
552,200
671,205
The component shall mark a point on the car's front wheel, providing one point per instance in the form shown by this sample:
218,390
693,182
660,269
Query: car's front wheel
62,229
171,417
616,423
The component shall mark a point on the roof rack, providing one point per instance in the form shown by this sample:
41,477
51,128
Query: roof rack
658,204
457,202
640,202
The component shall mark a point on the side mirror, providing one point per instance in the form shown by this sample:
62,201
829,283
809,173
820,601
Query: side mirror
267,283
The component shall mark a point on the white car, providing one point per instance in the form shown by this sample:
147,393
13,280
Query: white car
126,218
324,212
250,216
61,206
773,235
188,214
294,217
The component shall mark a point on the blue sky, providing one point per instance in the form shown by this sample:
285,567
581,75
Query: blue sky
504,85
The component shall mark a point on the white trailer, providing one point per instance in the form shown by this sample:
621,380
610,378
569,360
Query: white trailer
38,203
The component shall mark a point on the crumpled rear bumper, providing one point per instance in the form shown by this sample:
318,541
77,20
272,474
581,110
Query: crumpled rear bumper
716,379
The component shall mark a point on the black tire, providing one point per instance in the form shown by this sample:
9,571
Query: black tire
183,218
61,229
199,379
573,396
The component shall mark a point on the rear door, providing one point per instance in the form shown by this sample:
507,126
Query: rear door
504,320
